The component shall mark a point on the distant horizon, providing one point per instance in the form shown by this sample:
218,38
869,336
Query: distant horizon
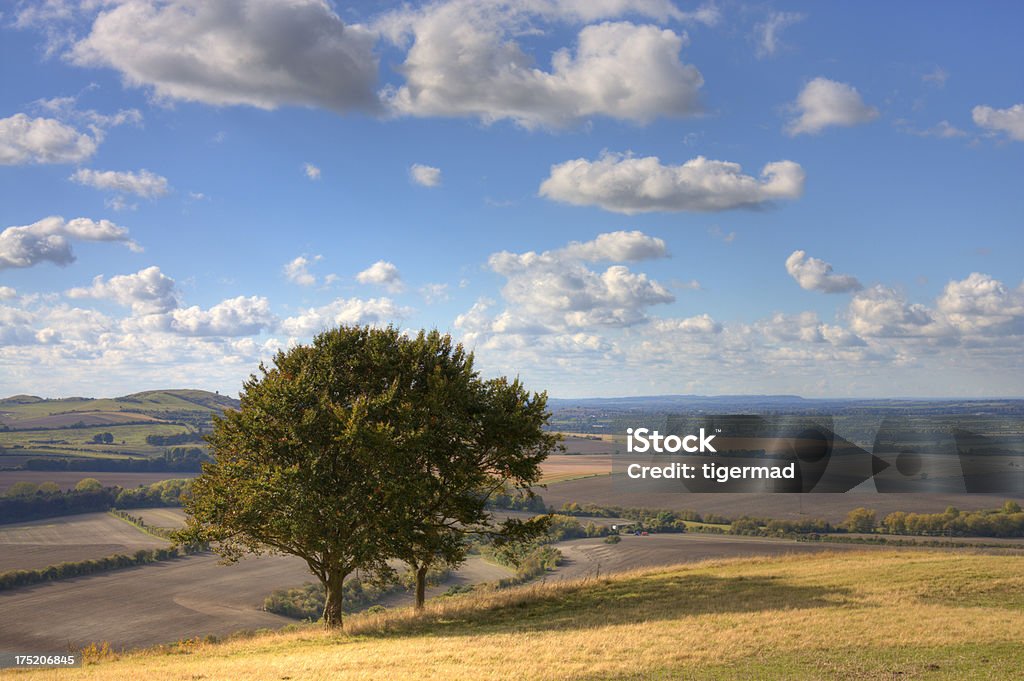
902,398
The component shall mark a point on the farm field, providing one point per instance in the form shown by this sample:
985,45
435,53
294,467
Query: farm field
872,615
606,491
39,543
592,444
163,602
560,467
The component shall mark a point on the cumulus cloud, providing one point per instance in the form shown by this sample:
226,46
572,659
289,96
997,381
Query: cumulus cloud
816,275
148,291
465,60
1009,121
261,53
425,176
982,304
344,311
382,273
297,270
312,172
48,240
768,32
241,316
6,293
143,183
623,184
26,140
824,103
556,290
882,312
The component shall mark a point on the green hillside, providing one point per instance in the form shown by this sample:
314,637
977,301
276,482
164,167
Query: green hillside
143,424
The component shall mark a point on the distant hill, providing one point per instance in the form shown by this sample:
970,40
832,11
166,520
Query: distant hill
142,425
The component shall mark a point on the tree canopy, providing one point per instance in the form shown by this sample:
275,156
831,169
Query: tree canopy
364,447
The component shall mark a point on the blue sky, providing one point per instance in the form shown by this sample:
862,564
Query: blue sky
605,198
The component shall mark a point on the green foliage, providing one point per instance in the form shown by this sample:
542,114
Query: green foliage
1007,521
22,489
364,446
612,539
88,485
860,520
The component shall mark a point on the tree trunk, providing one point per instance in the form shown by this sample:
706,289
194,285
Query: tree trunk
332,602
421,586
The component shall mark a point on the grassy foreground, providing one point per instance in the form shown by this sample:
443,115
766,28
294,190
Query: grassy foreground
870,615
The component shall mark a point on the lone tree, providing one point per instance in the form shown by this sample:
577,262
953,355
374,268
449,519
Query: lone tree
363,447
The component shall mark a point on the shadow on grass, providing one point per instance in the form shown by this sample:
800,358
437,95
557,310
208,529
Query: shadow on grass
602,602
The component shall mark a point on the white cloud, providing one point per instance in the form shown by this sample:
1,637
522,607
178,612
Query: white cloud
297,270
881,312
767,32
6,293
47,240
465,60
942,129
555,291
425,176
1009,120
434,293
262,53
42,140
382,273
312,172
143,183
816,275
621,246
624,184
241,316
148,291
824,103
344,311
982,304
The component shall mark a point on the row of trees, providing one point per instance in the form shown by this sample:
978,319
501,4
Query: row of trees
365,447
27,501
1007,521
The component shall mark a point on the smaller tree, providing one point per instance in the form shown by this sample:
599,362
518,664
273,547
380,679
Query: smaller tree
88,485
860,520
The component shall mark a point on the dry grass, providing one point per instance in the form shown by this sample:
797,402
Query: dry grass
935,615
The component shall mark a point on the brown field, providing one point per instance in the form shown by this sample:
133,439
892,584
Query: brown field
40,543
68,479
603,491
559,467
160,517
585,445
163,602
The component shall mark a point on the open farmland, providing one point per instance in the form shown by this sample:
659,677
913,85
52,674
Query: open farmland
560,467
33,427
165,602
614,491
869,615
40,543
